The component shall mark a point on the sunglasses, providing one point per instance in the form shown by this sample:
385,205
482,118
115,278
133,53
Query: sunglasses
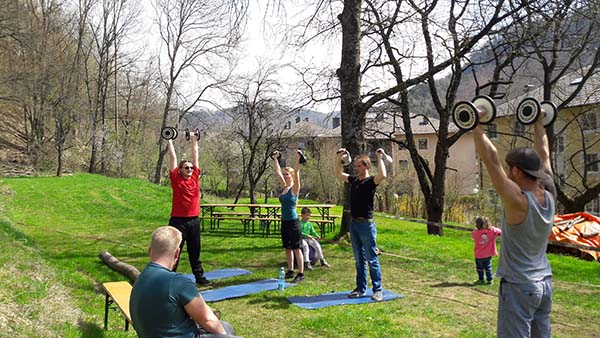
188,167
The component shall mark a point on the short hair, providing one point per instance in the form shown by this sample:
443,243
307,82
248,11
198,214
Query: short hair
165,240
181,163
482,222
365,159
305,210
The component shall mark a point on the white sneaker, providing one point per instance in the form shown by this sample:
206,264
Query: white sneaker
377,296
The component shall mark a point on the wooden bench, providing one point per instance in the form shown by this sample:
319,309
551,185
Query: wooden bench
117,297
322,223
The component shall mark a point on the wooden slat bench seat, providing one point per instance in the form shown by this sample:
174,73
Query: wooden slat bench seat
322,223
117,294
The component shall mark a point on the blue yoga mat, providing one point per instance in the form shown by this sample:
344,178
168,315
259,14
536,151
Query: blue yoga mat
222,273
240,290
337,298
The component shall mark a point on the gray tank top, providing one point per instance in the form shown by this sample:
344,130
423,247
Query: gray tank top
523,246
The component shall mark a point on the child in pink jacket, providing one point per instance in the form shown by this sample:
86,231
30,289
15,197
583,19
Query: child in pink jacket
485,247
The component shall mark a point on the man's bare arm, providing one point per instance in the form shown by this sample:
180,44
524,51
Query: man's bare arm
541,145
339,169
509,191
172,155
202,314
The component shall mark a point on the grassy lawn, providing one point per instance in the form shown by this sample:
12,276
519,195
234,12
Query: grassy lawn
52,230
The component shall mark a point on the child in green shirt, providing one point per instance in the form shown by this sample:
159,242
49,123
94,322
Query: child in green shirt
310,237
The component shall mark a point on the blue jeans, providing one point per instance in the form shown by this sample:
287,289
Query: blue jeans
524,309
363,235
484,265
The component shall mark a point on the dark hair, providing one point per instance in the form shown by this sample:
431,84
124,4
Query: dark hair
482,222
180,165
305,210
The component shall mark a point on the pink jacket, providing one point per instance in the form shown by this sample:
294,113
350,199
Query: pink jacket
485,242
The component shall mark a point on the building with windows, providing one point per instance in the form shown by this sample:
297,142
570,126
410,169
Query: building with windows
575,140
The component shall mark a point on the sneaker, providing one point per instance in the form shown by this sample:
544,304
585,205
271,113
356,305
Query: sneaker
377,296
299,278
479,282
308,266
356,293
202,281
490,282
324,263
289,274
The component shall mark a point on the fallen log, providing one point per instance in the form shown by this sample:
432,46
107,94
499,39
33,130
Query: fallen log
128,270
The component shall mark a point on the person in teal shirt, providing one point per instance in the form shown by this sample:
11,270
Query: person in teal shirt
164,303
310,238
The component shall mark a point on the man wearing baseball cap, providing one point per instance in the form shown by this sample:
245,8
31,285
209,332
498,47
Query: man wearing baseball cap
527,191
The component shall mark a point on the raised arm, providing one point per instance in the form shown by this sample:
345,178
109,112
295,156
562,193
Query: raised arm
194,150
339,169
202,314
509,191
382,172
172,156
277,168
296,187
541,145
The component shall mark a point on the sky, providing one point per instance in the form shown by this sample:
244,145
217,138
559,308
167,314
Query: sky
262,43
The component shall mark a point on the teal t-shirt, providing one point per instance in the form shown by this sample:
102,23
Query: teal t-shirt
157,303
308,229
288,206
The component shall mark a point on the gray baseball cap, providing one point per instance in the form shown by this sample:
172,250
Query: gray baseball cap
527,160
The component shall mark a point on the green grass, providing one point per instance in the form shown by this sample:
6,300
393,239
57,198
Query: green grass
52,230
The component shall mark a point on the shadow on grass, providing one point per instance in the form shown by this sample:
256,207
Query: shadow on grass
91,330
273,300
450,285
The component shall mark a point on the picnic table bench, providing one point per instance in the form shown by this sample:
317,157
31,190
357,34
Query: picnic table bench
117,297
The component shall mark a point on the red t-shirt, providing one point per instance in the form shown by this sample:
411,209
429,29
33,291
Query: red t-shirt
186,194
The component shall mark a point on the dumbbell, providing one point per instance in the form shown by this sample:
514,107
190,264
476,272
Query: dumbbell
346,160
529,110
466,113
302,159
170,133
387,158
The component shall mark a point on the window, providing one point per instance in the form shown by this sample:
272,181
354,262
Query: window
559,143
401,145
519,128
302,145
593,207
588,121
422,143
403,164
591,163
492,132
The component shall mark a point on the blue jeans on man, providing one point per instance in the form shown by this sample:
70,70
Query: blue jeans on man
524,309
363,236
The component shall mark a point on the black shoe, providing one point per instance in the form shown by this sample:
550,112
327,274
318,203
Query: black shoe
356,293
289,274
202,281
308,266
299,278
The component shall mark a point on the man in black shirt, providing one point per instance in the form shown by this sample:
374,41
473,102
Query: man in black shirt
362,228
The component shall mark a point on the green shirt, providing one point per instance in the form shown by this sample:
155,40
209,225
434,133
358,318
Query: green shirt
307,229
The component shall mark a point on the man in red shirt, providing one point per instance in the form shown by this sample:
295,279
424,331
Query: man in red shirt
186,206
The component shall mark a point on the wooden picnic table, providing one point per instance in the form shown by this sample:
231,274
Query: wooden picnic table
266,214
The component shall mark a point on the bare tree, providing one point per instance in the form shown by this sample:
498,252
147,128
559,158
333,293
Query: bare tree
110,25
255,119
198,38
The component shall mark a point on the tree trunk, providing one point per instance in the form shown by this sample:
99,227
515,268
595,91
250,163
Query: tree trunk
352,112
128,270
